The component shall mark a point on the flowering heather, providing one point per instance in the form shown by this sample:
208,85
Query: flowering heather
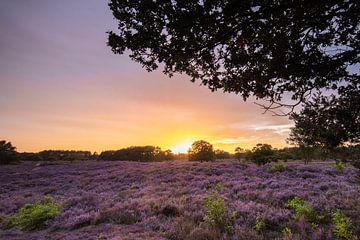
165,200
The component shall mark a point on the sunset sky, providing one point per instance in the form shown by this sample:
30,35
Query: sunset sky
61,87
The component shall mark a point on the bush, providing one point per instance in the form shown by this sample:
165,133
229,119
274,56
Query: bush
170,211
201,151
119,216
35,216
286,231
343,226
304,209
277,167
260,225
217,215
340,166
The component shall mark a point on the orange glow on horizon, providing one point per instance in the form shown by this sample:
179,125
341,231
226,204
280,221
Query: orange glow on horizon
182,147
66,91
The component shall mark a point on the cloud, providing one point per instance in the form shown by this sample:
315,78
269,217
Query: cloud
235,140
276,128
228,141
280,129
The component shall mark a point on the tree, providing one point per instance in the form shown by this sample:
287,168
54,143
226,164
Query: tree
137,153
252,48
325,122
262,154
221,154
201,151
8,153
240,153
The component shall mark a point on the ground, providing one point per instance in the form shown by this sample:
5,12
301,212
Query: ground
165,200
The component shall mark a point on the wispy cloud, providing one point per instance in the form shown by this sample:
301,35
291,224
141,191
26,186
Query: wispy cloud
280,129
235,140
276,128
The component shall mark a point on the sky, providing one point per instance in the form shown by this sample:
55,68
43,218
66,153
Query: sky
61,87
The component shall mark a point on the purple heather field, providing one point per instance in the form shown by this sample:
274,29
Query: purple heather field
165,200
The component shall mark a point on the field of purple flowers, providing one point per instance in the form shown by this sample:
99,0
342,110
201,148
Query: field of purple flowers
165,200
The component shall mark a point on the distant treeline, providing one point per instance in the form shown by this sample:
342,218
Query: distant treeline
135,153
260,154
138,153
263,153
60,155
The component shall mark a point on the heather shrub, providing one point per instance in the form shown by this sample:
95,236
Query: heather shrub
343,226
170,211
35,216
340,166
302,208
118,216
182,228
217,215
200,233
2,221
356,163
277,167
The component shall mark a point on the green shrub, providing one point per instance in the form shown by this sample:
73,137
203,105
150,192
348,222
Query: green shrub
340,166
286,231
35,216
304,209
217,215
343,226
260,225
277,167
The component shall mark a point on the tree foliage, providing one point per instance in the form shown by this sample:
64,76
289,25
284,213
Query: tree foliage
222,154
201,151
8,153
240,153
327,123
262,154
66,155
259,48
138,153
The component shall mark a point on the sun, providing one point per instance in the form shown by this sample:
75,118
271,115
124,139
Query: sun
182,147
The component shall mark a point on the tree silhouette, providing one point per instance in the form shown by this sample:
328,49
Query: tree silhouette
201,151
8,153
222,154
138,153
262,153
259,48
326,123
240,153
